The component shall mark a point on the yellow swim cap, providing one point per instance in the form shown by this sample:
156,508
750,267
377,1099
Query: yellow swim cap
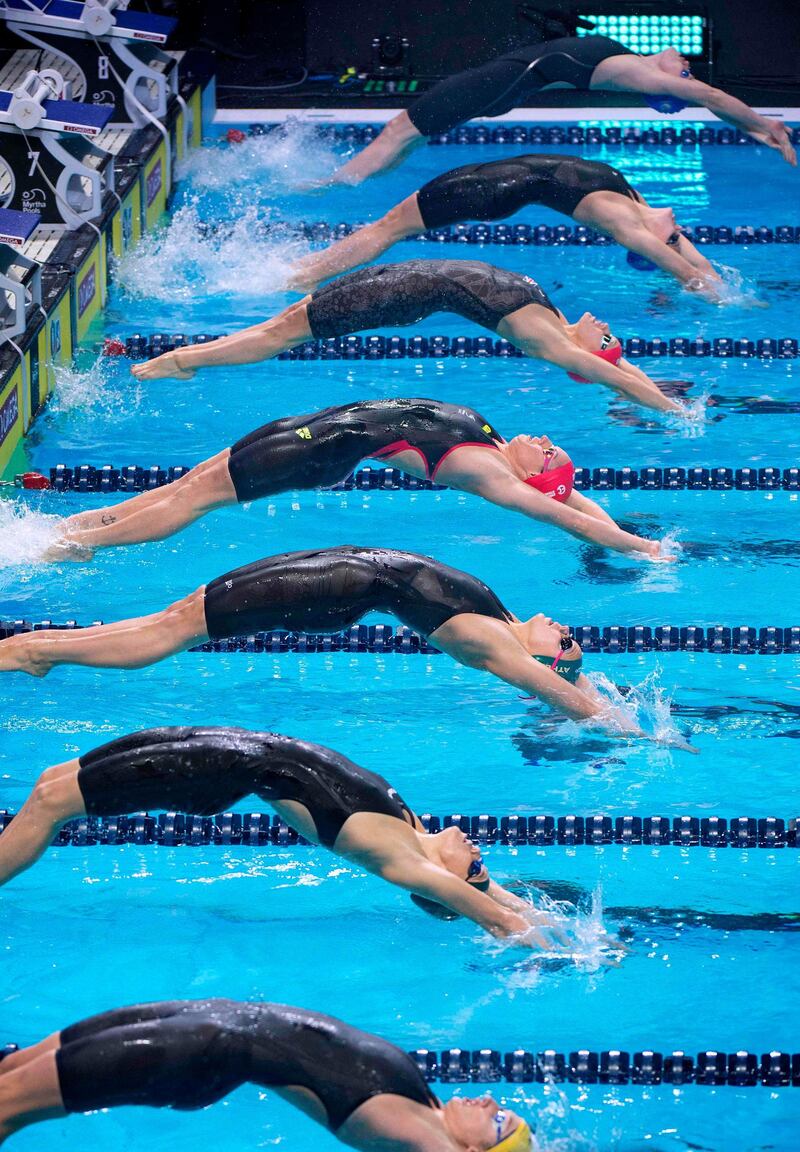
520,1140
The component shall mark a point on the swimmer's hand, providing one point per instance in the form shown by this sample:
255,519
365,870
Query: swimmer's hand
544,933
659,552
674,740
312,187
776,135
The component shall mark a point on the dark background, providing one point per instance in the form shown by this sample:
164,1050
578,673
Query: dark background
262,44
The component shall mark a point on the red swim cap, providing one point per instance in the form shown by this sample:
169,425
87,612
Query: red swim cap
557,483
612,355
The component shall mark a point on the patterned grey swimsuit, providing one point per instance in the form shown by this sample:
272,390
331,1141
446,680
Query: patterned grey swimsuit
389,295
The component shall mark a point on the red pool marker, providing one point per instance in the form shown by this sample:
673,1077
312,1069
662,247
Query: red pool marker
235,136
34,481
113,346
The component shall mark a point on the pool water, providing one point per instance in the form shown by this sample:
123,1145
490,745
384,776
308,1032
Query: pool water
712,933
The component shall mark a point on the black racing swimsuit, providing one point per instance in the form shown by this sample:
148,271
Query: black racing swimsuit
187,1054
322,448
384,295
206,770
498,189
509,81
332,588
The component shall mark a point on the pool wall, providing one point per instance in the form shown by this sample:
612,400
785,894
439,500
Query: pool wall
77,270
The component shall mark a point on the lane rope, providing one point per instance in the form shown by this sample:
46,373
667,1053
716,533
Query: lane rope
614,135
611,639
106,478
141,346
260,829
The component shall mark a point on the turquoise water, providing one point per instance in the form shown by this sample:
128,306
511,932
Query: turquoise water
712,933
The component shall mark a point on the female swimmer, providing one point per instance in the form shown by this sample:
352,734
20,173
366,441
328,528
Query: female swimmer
589,191
384,295
324,796
444,442
330,589
577,61
189,1054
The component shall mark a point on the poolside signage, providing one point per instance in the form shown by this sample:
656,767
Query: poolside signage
9,414
87,289
154,182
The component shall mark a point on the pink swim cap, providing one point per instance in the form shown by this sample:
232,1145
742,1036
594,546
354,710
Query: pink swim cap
612,355
558,483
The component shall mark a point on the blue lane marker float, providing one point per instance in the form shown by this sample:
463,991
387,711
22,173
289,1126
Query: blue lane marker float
354,347
540,235
611,640
260,829
106,478
633,134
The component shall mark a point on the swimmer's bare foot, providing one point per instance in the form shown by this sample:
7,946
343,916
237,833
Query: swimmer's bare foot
66,551
302,282
19,654
163,367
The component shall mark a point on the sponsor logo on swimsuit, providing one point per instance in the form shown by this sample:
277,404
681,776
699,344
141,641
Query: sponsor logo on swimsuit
154,183
487,429
8,414
304,433
86,290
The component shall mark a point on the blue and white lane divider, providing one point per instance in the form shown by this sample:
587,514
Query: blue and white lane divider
610,640
141,346
106,478
260,829
636,134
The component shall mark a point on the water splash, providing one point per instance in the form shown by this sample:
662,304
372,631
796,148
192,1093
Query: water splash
25,534
579,941
185,260
737,289
281,157
92,390
647,704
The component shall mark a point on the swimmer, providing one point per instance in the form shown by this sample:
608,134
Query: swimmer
385,295
189,1054
447,443
329,589
325,797
589,191
587,62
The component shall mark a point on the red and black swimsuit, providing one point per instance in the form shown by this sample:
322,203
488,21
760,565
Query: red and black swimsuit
322,448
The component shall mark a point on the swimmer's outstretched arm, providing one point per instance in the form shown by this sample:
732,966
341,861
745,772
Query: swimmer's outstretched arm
682,261
636,75
485,643
386,151
436,883
550,344
579,516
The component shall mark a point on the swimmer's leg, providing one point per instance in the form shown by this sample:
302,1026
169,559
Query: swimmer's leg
153,515
360,247
385,152
134,643
29,1094
258,342
55,799
16,1060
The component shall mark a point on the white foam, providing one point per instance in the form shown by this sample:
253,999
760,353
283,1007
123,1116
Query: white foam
184,261
291,152
92,391
648,704
25,534
737,289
